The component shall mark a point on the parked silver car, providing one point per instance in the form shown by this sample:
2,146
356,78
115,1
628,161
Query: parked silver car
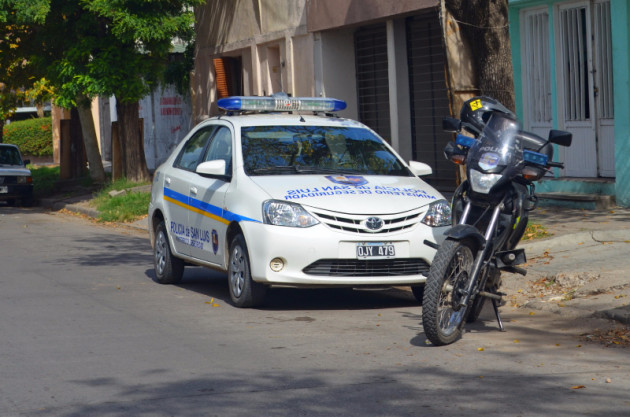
16,181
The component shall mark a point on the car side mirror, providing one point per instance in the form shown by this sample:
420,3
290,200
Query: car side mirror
450,124
26,162
560,137
420,168
215,168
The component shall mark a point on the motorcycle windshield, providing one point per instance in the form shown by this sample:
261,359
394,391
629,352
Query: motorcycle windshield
498,146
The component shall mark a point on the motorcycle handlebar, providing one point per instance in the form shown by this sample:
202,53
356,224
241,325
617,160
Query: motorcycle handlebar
555,164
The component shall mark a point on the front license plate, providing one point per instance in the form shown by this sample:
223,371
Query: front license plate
4,189
375,250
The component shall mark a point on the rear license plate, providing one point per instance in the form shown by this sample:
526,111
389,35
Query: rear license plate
375,250
4,189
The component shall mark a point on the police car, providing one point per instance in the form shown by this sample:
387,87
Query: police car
279,191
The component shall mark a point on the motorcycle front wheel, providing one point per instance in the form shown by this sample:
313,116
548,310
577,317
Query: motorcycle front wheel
442,316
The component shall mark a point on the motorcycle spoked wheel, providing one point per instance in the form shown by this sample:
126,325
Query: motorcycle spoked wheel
442,316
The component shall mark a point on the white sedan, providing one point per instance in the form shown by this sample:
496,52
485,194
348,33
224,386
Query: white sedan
280,192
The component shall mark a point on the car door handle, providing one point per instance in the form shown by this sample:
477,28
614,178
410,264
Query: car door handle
167,180
193,190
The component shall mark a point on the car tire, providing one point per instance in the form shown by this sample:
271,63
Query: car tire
168,269
244,291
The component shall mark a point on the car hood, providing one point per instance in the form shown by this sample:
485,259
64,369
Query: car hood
13,171
351,193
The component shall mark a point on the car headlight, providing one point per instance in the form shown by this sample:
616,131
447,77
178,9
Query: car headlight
482,183
439,214
24,180
283,213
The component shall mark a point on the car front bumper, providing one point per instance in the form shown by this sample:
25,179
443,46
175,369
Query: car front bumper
320,256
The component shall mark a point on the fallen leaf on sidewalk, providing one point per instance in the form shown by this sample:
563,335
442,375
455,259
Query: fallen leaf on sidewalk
578,387
617,336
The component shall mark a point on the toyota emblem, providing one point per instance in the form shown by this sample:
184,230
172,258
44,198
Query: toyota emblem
374,223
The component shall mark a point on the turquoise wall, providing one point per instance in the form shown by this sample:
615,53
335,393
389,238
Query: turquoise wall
620,21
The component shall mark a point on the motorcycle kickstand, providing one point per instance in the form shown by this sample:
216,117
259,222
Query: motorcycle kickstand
495,304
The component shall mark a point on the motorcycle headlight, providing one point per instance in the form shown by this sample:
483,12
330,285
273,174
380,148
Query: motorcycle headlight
439,214
283,213
482,183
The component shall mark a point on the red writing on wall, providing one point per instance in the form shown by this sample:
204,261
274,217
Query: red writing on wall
170,111
170,101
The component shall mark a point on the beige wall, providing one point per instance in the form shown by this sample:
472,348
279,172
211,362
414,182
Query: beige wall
268,35
330,14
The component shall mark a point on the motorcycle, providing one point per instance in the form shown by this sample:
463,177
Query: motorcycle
490,211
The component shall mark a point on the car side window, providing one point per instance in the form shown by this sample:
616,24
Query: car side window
190,155
221,148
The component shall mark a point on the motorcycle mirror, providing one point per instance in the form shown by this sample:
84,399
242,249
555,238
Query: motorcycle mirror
560,137
455,154
450,124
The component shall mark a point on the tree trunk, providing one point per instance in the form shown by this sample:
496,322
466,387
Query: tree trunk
132,143
484,23
97,173
1,130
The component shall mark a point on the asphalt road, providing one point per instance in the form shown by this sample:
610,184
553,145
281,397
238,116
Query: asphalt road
84,331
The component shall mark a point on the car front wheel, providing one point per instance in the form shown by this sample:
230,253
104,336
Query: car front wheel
168,269
243,290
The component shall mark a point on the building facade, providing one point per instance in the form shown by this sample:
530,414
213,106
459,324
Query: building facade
385,59
571,66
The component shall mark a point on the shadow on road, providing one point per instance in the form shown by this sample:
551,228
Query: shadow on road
214,284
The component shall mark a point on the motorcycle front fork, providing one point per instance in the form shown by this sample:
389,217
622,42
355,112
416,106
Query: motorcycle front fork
480,258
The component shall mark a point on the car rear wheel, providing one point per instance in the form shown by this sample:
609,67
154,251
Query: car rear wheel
168,269
243,290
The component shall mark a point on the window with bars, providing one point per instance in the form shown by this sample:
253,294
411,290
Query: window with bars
603,60
536,66
573,29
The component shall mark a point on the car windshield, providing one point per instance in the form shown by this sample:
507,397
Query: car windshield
290,150
9,156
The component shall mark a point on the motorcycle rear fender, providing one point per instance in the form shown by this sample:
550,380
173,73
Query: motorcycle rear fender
465,231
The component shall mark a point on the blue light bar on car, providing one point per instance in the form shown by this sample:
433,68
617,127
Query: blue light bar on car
244,103
465,141
535,157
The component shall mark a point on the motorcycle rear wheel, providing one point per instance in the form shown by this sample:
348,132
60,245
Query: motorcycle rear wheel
442,316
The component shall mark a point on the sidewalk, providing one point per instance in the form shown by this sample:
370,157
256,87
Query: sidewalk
80,203
581,270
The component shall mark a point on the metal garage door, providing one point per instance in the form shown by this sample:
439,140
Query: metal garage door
370,44
429,97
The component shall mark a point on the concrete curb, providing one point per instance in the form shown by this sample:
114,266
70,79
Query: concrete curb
567,242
